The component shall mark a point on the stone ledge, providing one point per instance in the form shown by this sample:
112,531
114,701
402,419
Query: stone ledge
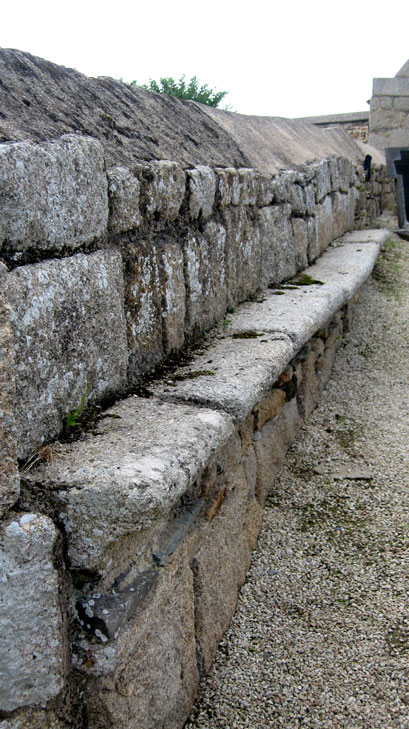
145,457
148,453
162,507
233,375
274,330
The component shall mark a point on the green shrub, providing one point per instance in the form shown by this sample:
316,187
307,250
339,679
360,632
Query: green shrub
183,89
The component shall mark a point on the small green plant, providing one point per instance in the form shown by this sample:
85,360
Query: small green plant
183,89
304,279
74,418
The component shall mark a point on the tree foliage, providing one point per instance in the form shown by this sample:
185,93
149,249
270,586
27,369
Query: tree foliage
184,89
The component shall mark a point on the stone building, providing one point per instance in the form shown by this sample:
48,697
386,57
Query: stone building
389,117
389,132
355,123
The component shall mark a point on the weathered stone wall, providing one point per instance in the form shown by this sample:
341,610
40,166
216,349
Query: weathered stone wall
122,552
112,272
130,545
389,117
356,123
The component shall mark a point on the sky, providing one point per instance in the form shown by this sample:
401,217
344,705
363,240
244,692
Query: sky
287,58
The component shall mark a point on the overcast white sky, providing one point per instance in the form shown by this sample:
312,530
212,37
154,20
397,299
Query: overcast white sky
289,58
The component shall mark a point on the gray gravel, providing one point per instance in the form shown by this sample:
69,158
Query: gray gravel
321,633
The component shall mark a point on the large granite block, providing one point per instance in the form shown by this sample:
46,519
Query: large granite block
340,213
69,332
322,180
312,236
173,296
243,254
33,651
346,174
278,257
54,195
123,192
147,677
228,186
297,199
163,187
249,186
9,475
265,190
334,173
143,308
324,218
309,194
205,278
202,190
155,302
118,484
300,235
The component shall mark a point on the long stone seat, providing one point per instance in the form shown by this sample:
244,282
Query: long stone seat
161,506
276,327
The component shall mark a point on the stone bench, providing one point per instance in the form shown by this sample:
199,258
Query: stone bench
160,507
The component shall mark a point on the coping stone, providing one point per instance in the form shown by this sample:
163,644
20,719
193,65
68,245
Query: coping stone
132,473
54,194
32,649
397,86
296,314
69,331
299,313
236,374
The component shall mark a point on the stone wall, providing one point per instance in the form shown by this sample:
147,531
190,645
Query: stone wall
355,123
124,554
111,272
389,117
122,551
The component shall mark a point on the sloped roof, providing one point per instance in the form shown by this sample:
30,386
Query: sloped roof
40,100
404,71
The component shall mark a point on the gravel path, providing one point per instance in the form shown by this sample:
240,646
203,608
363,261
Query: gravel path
321,633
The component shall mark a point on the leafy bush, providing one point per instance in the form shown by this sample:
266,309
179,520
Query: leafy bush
188,90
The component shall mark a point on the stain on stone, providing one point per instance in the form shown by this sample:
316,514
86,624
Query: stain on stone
191,375
215,507
176,533
246,335
103,614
